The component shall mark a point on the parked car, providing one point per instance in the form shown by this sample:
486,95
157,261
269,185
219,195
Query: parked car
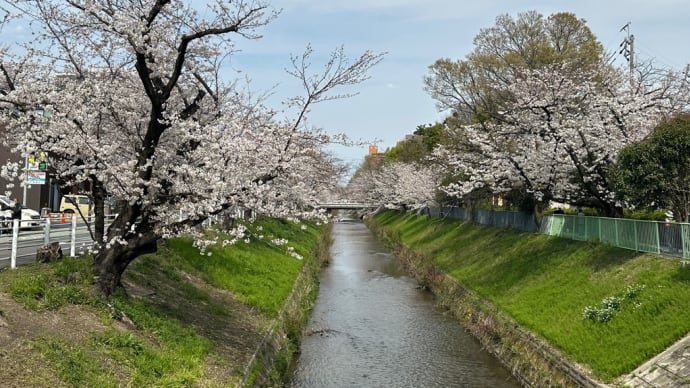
29,218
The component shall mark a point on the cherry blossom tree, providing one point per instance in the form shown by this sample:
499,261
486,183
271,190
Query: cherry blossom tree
476,89
395,185
127,99
560,135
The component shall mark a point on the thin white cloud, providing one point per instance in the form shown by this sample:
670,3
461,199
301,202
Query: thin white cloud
405,9
352,5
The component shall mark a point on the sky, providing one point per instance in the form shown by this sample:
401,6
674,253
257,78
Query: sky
414,34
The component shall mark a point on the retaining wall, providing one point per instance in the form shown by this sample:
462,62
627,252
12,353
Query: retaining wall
532,361
272,361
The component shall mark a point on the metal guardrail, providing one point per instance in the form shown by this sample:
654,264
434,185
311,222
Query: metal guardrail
668,238
523,221
344,205
20,245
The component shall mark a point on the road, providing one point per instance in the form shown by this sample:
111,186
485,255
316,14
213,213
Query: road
30,240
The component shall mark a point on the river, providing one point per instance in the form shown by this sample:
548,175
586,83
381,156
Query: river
373,327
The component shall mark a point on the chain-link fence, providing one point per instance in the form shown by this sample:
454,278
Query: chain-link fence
523,221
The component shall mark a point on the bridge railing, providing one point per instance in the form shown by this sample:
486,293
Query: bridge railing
344,205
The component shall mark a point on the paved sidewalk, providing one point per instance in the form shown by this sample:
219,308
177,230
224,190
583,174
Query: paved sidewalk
671,368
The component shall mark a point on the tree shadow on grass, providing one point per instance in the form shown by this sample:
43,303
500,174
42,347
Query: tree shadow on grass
499,258
527,256
682,274
603,257
532,255
233,328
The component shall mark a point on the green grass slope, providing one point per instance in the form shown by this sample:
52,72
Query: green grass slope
187,319
604,307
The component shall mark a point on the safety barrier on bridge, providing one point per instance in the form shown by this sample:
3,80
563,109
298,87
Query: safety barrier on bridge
345,205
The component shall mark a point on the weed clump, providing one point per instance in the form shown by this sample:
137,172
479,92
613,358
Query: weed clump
611,304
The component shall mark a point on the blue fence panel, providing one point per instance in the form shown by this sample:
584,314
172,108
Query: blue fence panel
523,221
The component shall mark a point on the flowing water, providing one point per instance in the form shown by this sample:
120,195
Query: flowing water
373,327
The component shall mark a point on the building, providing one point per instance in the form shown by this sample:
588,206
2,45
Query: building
36,196
374,158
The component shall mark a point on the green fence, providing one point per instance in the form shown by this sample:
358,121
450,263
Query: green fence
668,238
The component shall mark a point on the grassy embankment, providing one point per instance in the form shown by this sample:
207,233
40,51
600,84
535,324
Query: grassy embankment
187,320
606,308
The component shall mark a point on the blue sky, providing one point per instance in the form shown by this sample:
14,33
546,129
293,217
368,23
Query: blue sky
415,33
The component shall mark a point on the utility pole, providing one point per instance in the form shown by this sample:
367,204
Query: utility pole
628,51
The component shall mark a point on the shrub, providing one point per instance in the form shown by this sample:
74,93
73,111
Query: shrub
633,290
611,304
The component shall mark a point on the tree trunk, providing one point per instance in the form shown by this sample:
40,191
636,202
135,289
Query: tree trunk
539,213
98,211
110,262
469,209
112,258
611,210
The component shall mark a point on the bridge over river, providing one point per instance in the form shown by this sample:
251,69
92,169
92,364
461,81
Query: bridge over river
345,205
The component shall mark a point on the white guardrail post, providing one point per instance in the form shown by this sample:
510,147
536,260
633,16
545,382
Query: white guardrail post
15,237
46,232
73,243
